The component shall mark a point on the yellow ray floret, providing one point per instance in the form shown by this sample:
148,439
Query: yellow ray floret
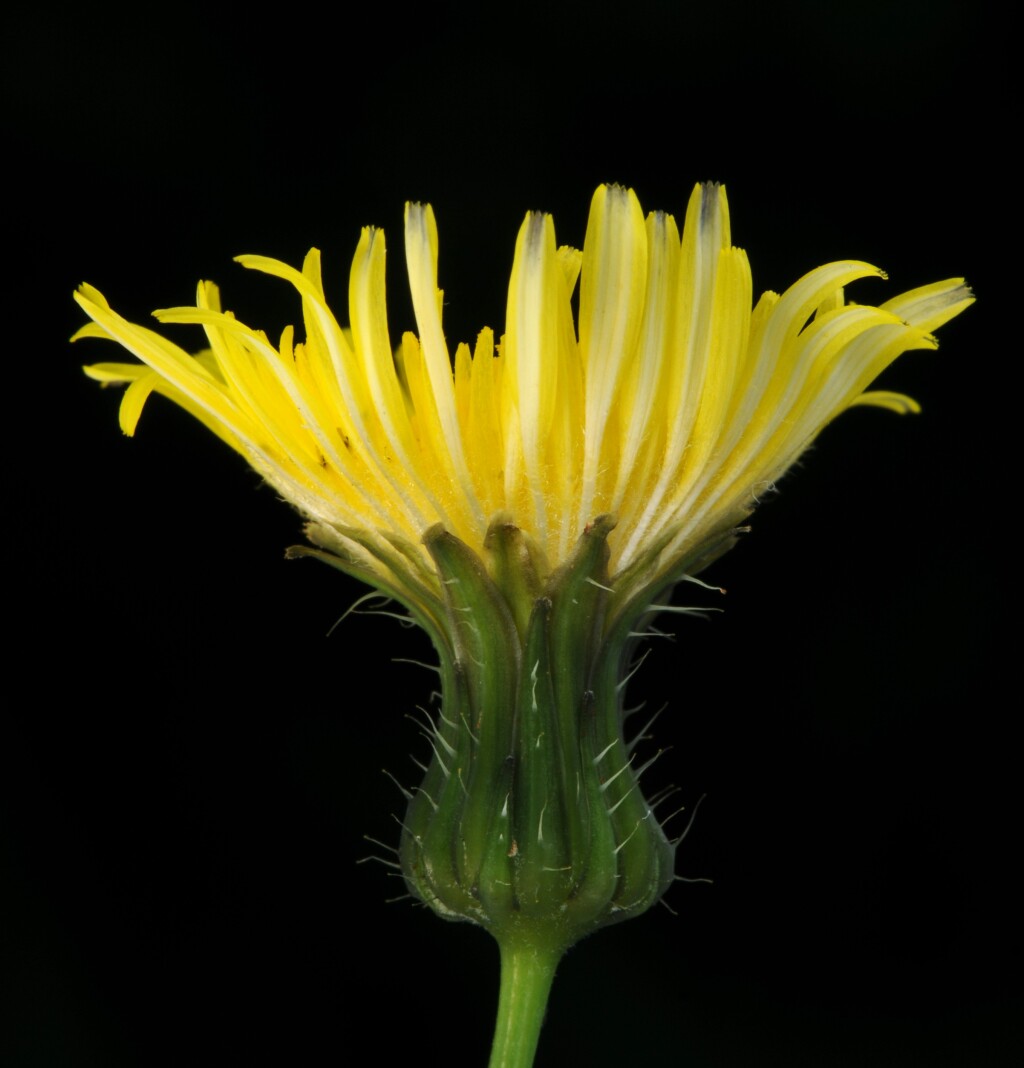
672,406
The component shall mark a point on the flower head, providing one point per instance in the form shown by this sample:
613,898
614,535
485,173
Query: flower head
671,408
529,502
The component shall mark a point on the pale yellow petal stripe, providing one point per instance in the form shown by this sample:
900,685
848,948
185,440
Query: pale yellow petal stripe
612,290
532,354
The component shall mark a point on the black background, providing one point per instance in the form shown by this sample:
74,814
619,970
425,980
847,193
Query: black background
192,760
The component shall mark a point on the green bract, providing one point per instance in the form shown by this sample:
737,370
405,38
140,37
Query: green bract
530,821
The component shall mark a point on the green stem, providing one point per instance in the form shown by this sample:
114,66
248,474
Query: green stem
526,975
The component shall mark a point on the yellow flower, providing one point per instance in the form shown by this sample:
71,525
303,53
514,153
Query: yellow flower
528,503
672,408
